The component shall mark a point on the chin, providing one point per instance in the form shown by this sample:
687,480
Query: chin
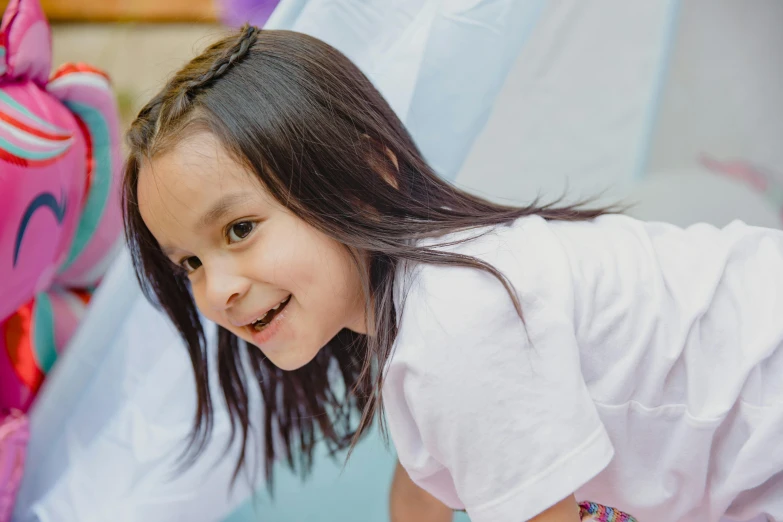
288,360
290,366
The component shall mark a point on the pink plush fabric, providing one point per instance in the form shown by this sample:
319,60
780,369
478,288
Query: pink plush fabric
60,217
13,440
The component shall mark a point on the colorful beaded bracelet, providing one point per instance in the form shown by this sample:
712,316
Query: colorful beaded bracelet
601,513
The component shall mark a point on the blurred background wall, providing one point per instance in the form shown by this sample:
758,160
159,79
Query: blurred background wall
613,99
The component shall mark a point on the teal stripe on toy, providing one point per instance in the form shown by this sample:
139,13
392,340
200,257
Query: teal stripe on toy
101,178
30,154
8,100
2,60
43,333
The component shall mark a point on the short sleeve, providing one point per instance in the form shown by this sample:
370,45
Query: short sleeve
487,413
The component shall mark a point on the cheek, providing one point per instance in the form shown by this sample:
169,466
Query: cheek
198,290
320,269
290,253
288,263
328,262
336,285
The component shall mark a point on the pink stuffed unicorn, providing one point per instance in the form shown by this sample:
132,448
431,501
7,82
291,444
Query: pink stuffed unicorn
59,212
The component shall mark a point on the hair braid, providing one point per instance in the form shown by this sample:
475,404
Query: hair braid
182,91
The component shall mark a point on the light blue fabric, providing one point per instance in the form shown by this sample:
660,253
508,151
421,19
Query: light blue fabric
357,493
663,71
440,64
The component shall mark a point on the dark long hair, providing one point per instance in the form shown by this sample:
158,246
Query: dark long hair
324,143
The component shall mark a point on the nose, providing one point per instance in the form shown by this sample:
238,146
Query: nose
224,287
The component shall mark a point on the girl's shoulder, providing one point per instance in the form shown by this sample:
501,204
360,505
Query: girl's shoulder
441,302
563,270
537,256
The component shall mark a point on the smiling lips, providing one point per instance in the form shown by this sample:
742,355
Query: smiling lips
263,321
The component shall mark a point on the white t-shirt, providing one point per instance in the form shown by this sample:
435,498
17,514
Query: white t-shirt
648,375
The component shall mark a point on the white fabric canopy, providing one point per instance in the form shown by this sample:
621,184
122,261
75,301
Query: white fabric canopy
440,63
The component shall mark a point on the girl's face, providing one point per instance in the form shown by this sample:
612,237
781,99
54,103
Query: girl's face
255,268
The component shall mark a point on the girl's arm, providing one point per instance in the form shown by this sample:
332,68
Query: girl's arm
410,503
564,511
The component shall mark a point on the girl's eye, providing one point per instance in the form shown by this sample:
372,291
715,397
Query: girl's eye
190,263
239,231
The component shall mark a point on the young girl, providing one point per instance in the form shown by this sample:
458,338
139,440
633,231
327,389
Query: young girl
525,358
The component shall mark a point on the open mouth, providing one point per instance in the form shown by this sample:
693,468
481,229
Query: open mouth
263,321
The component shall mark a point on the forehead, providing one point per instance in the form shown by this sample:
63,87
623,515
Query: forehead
191,164
175,188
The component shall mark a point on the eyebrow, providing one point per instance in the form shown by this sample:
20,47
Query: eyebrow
215,213
221,208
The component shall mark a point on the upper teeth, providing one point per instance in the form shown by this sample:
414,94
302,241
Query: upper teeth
271,310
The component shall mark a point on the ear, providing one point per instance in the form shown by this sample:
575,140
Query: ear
26,42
